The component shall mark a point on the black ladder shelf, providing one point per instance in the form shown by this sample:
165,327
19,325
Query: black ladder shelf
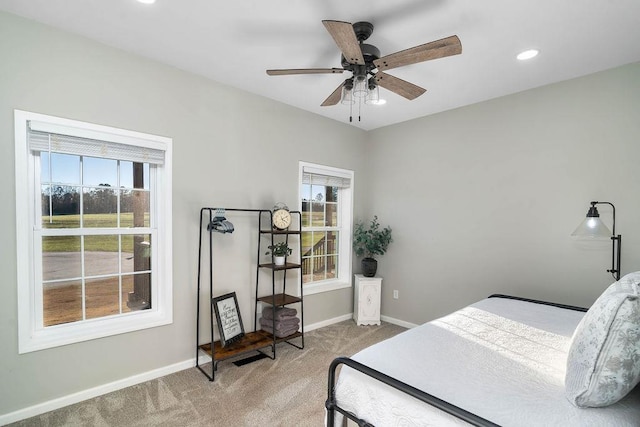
258,340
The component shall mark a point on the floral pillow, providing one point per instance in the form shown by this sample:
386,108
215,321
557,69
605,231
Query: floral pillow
604,359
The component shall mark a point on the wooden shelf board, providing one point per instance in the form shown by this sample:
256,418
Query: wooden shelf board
287,266
287,338
250,342
280,299
280,231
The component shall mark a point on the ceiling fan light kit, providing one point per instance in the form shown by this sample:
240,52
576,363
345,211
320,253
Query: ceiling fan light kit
366,65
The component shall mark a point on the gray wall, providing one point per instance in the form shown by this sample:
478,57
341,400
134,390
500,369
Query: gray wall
224,155
491,193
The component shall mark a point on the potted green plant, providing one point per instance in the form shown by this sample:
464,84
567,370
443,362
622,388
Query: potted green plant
369,242
280,252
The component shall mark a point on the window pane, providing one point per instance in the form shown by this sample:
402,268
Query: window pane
60,206
100,255
135,206
319,243
61,257
332,194
307,275
65,169
99,172
134,175
100,207
332,267
102,297
313,269
317,216
126,174
306,213
44,167
307,243
332,214
136,253
317,193
306,192
62,302
332,242
138,295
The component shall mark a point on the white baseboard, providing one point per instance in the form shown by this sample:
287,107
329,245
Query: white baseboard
70,399
398,322
322,324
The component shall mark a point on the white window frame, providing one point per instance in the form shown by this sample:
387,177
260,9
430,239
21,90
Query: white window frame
345,227
32,335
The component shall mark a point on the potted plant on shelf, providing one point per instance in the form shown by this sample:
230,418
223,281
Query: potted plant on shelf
370,242
280,252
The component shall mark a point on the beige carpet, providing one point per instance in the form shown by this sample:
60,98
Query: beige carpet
288,391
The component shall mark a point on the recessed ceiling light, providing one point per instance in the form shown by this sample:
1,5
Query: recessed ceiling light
528,54
380,102
147,1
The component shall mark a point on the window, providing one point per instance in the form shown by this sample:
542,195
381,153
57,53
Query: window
327,217
93,212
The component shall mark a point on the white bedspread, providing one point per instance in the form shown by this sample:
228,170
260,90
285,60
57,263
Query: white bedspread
501,359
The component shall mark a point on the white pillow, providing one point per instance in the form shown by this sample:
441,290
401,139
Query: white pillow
604,359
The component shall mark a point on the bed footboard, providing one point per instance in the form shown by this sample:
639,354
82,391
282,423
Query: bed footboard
332,405
537,301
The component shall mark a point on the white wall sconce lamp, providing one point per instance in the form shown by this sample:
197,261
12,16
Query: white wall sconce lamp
593,227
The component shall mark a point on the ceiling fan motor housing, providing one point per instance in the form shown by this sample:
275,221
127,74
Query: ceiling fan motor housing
370,54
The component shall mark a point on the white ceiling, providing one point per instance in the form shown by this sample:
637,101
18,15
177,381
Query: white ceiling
234,42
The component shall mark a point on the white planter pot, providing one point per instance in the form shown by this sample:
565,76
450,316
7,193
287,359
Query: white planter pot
279,260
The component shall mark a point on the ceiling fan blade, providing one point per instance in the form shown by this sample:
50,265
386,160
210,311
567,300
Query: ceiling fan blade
399,86
290,71
334,98
425,52
345,38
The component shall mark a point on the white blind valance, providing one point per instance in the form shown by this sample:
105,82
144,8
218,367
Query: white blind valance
111,147
330,178
326,180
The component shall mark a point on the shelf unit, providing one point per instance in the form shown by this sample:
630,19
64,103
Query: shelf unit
281,299
258,340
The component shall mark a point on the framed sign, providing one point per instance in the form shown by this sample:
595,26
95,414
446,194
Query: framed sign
228,318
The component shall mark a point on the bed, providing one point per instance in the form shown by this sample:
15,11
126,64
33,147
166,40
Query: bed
503,361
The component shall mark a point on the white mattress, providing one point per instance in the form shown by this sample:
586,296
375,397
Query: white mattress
501,359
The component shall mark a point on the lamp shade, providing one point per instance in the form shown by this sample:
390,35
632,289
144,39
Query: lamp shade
347,95
360,87
592,226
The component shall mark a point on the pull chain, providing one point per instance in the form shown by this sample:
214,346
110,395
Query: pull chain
350,112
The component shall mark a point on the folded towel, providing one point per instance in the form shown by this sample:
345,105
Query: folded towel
280,334
288,323
282,312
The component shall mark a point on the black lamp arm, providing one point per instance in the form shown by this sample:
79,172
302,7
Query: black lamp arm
616,241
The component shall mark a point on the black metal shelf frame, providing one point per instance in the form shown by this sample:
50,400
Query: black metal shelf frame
276,300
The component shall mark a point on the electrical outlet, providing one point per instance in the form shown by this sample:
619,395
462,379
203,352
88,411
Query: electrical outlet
395,294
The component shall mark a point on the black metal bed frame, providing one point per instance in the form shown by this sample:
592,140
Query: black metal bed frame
332,405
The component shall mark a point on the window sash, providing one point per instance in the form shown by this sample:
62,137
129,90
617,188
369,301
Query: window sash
311,174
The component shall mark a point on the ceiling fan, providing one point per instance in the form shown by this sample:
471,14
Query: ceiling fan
364,62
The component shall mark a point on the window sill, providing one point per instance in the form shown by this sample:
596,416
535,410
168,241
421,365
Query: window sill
72,333
326,286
